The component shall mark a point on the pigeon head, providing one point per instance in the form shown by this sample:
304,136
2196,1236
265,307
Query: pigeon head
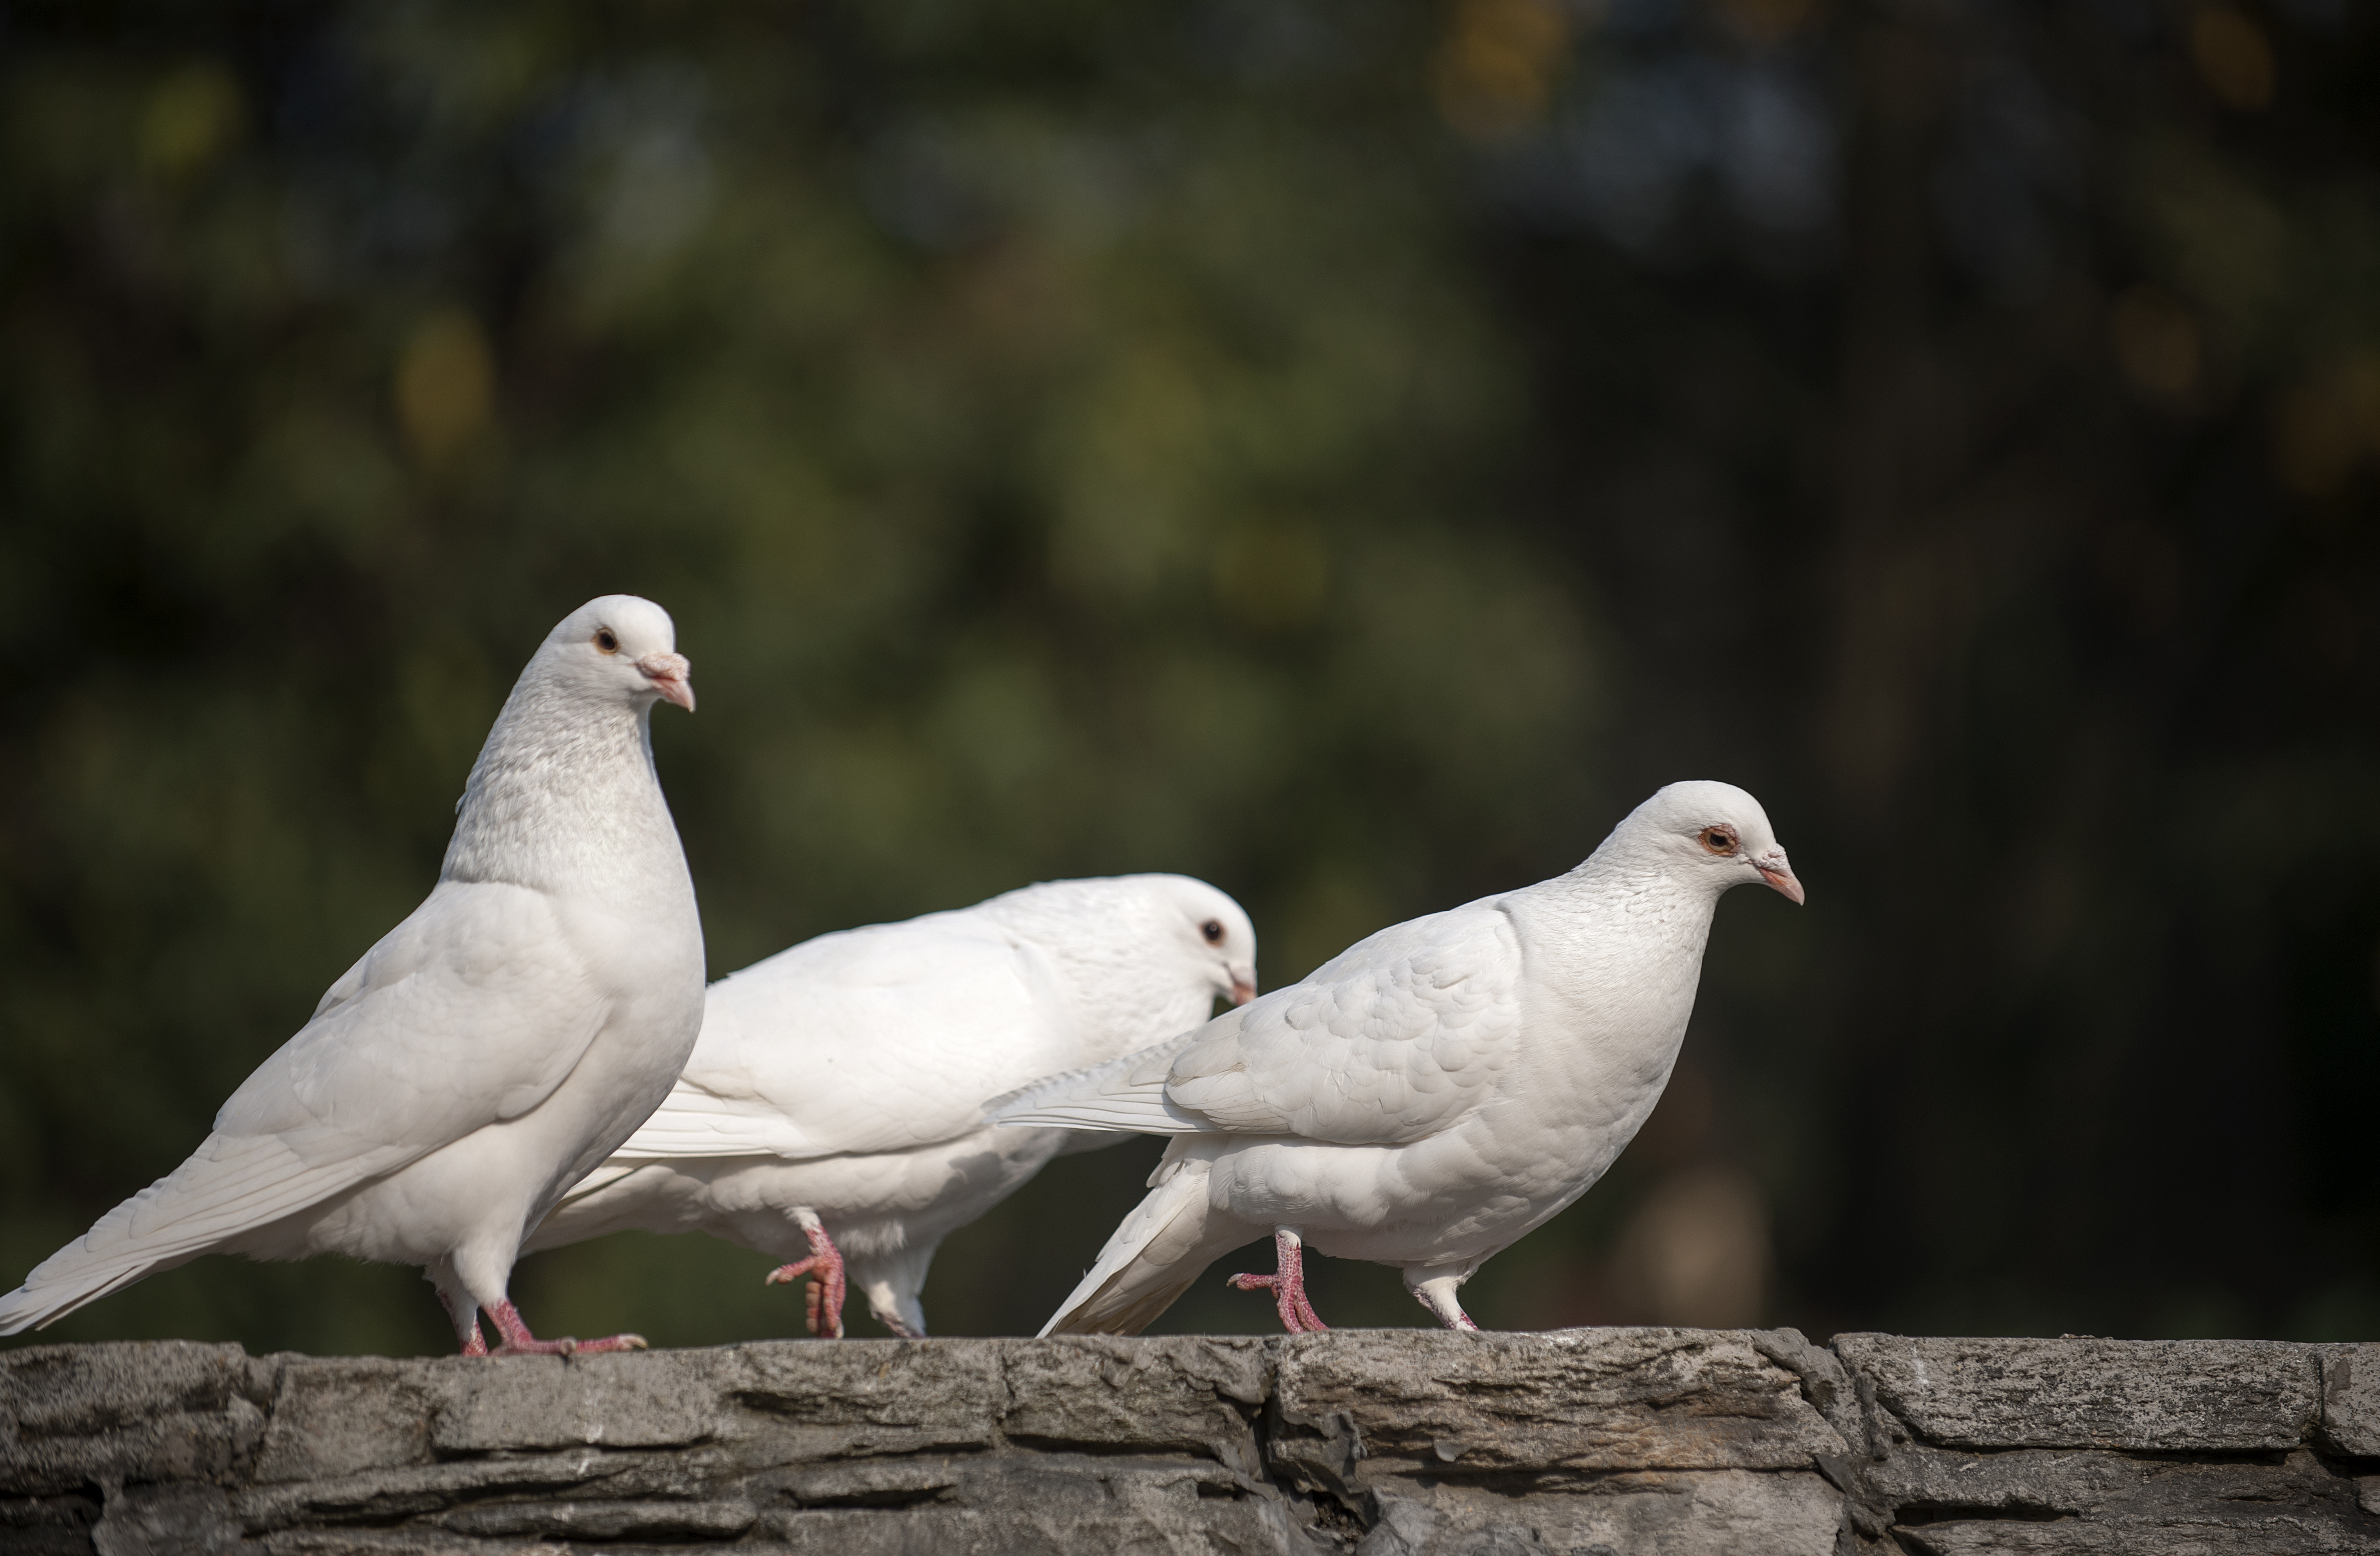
1212,931
622,646
1711,832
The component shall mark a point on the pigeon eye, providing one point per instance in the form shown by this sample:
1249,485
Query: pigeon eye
607,640
1719,840
1213,929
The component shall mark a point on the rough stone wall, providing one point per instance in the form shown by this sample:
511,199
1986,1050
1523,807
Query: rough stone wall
1602,1442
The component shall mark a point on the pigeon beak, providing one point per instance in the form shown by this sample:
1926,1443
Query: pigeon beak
1778,873
669,674
1243,985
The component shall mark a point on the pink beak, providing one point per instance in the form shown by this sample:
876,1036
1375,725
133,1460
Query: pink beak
1242,991
1779,875
669,676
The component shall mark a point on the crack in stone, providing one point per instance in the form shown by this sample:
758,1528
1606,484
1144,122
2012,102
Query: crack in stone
1372,1442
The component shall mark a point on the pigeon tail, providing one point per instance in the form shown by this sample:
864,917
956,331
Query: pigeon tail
1159,1252
1121,1096
229,1186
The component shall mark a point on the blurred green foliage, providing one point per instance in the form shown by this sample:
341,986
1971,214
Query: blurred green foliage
1351,453
1059,461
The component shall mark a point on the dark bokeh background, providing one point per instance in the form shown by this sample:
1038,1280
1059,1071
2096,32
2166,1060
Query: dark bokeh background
1349,451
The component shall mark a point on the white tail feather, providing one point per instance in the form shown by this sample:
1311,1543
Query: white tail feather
230,1185
1123,1095
1165,1245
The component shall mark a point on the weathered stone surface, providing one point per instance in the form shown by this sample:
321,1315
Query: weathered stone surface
2123,1491
2350,1399
37,1526
2175,1395
337,1417
1712,1513
75,1416
862,1397
1059,1503
2277,1534
1383,1443
180,1520
1574,1399
1186,1393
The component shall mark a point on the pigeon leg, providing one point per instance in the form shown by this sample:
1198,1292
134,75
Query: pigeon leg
461,1310
822,1303
885,1302
519,1341
1437,1295
1287,1286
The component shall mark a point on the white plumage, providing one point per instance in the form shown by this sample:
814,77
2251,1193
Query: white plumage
833,1109
491,1048
1432,1094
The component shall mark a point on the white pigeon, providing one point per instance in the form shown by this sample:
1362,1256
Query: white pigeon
1432,1094
834,1108
491,1048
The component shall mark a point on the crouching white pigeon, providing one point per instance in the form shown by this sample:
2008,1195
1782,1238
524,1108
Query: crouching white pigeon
833,1109
491,1048
1432,1094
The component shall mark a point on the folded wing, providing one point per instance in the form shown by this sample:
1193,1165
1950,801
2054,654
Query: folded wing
471,1011
884,1038
1393,1040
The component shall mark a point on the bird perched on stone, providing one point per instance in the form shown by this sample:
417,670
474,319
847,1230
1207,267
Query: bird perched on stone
1433,1093
833,1109
491,1048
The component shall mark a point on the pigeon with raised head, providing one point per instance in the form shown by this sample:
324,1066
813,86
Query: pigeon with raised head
491,1048
1433,1093
832,1116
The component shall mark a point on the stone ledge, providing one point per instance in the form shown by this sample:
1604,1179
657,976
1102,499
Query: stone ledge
1399,1442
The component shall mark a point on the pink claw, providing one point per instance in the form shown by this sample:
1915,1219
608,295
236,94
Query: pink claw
519,1341
1288,1286
822,1302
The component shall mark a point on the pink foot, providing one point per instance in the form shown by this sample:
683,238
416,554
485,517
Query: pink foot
1288,1286
519,1341
822,1302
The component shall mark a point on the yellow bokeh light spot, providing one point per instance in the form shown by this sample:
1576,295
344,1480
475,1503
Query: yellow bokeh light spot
1494,72
193,115
1273,578
445,385
2233,58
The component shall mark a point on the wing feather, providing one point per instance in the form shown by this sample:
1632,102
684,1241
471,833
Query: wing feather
883,1038
1392,1041
472,1010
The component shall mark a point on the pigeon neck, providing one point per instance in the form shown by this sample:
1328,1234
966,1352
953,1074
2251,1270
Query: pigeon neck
1638,882
1619,942
564,798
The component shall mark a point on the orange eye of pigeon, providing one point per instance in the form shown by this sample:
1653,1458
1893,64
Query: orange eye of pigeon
607,640
1719,840
1213,929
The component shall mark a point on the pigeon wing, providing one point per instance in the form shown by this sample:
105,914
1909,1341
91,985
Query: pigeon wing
472,1010
1389,1042
878,1040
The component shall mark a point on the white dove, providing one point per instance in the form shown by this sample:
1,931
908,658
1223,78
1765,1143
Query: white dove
1435,1092
491,1048
834,1108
